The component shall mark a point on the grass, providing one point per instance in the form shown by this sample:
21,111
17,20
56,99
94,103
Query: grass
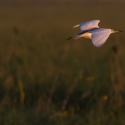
47,80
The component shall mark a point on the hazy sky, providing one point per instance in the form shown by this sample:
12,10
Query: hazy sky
63,0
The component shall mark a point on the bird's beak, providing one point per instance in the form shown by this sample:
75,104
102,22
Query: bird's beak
69,38
120,31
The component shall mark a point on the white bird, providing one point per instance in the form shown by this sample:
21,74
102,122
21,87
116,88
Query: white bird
91,30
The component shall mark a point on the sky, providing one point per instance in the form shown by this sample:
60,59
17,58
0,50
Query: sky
65,0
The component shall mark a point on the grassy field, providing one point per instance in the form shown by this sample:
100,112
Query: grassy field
45,80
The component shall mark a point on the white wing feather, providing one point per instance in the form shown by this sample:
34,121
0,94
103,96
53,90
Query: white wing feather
99,36
88,25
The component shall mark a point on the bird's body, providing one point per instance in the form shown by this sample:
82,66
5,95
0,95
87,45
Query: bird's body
91,30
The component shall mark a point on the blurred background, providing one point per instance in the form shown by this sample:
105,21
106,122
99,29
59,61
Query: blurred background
45,80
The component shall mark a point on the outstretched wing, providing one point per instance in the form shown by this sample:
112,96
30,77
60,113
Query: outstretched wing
88,25
99,36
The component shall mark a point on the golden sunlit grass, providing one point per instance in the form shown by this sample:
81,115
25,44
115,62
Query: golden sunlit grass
49,81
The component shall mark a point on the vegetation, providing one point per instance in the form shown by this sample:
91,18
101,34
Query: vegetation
45,80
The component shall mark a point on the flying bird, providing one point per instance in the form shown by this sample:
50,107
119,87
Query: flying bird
91,30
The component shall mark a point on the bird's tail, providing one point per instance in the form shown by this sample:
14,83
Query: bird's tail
76,26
